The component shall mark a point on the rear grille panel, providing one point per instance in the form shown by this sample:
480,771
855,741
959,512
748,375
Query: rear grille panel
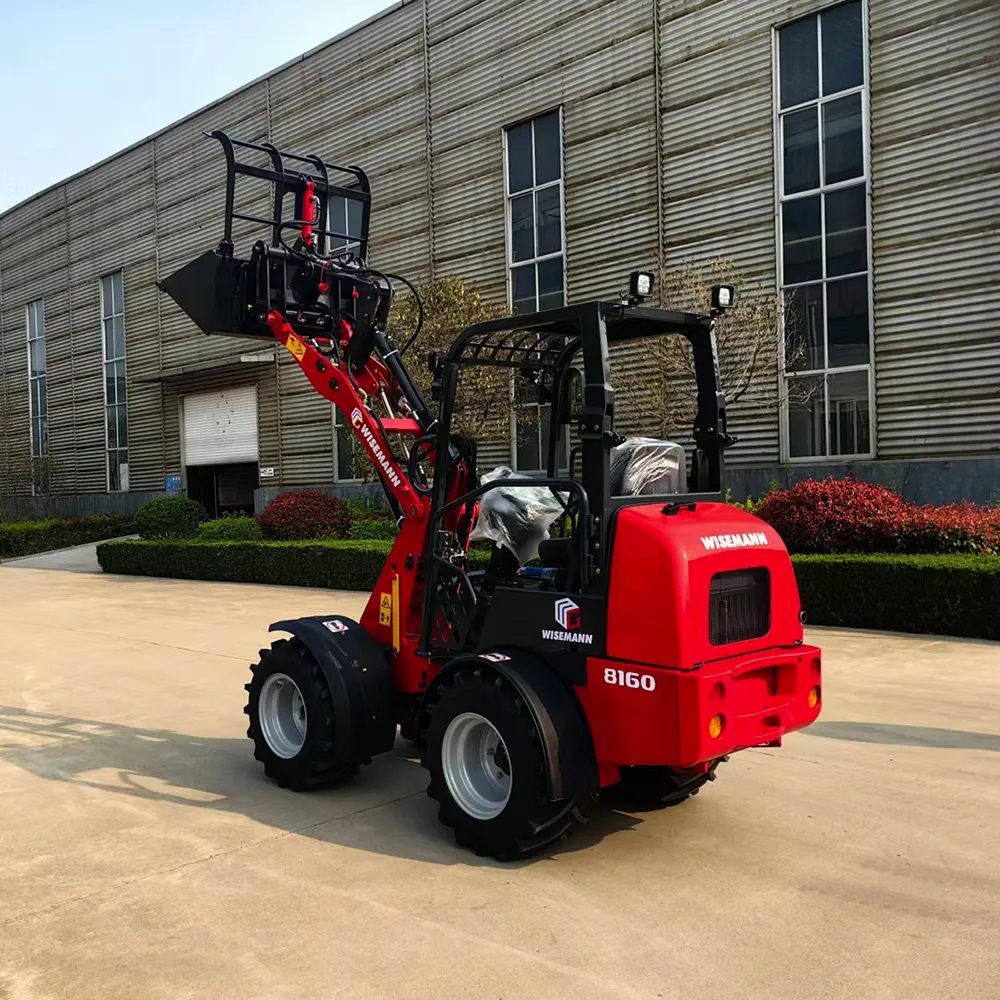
739,606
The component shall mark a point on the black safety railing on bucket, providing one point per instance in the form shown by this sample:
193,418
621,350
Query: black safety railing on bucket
289,180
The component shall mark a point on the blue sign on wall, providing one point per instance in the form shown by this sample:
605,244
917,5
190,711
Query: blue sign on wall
174,484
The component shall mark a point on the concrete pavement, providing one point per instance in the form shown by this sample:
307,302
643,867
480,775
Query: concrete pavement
143,855
76,559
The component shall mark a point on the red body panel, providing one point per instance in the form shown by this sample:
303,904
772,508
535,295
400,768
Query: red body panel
661,575
653,698
759,699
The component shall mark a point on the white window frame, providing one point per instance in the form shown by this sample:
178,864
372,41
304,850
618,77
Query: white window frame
349,246
339,420
511,265
123,486
36,309
825,372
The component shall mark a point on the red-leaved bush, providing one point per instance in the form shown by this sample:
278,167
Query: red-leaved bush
835,515
309,514
848,515
959,527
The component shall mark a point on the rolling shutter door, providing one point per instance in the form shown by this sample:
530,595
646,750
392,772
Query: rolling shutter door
220,428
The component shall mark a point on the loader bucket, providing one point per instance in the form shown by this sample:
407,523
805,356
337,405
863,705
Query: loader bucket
209,291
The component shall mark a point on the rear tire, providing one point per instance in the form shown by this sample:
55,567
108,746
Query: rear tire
488,772
291,719
657,787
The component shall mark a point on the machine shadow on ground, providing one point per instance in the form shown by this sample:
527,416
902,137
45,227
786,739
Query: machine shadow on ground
383,810
904,736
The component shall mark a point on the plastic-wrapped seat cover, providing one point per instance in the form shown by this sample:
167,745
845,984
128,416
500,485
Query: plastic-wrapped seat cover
642,466
518,517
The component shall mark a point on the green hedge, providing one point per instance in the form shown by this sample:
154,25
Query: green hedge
230,529
945,595
25,538
383,528
338,565
170,517
937,594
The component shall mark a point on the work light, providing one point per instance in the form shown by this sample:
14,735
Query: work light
640,285
723,297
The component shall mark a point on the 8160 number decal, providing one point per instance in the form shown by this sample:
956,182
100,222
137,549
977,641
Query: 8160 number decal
629,679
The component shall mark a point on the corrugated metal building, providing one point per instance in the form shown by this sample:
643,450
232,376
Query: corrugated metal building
543,148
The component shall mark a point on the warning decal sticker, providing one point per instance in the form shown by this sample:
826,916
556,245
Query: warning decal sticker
296,346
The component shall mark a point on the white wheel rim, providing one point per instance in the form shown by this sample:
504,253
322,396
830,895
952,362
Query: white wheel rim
476,766
281,710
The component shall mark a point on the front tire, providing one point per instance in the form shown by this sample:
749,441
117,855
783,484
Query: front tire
291,719
487,769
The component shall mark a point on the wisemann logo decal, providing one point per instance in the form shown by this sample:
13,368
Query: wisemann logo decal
581,637
358,420
743,541
567,614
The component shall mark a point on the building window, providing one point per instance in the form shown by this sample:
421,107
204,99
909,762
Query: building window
36,379
824,252
116,416
344,221
535,230
536,242
344,449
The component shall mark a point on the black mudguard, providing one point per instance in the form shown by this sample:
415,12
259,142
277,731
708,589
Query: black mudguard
358,674
569,749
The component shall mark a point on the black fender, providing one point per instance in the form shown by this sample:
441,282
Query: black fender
358,674
571,763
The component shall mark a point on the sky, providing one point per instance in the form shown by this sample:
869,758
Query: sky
82,79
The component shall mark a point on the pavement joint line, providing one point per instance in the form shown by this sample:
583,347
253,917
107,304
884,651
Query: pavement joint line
129,638
126,883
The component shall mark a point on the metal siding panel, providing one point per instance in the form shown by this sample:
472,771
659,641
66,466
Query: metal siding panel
145,403
448,17
620,62
90,463
268,417
482,82
485,76
718,164
515,46
936,227
306,430
900,17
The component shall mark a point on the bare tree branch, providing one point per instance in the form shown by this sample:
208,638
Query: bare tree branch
661,397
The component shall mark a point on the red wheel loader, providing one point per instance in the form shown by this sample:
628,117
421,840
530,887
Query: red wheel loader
659,632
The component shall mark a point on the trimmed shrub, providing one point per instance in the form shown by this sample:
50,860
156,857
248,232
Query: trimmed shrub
960,527
25,538
366,506
305,515
374,527
338,565
836,515
170,517
939,594
847,515
231,529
